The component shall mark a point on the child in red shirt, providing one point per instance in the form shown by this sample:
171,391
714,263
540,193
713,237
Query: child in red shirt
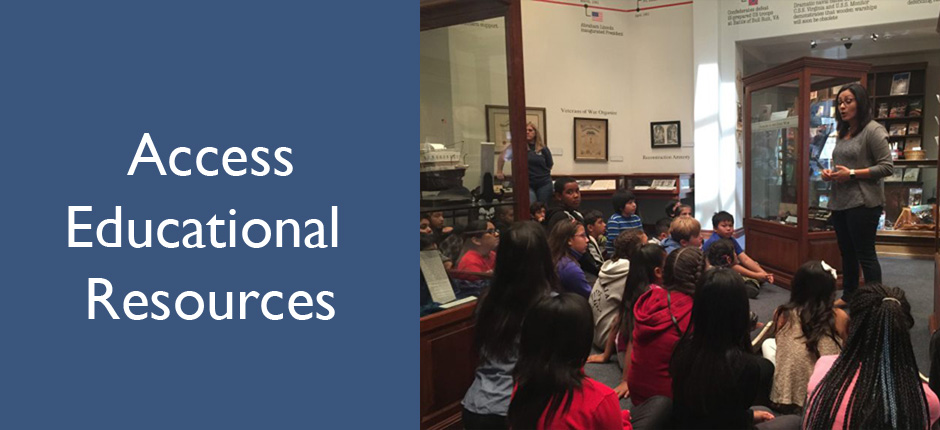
481,241
551,389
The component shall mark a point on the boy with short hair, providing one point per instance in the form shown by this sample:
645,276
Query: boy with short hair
537,211
721,253
723,223
684,211
594,226
624,217
662,231
504,217
684,231
566,203
436,219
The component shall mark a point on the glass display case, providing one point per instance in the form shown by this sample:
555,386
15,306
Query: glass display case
789,129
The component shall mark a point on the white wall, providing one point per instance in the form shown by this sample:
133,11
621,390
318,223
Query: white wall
639,74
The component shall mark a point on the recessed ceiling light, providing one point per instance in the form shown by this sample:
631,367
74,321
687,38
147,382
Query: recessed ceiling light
845,39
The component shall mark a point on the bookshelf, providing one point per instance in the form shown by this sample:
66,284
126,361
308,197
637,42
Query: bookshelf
902,114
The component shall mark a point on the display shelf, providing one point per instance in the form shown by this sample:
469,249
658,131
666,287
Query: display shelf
898,96
916,163
786,220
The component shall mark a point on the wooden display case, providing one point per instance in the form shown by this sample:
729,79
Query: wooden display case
789,128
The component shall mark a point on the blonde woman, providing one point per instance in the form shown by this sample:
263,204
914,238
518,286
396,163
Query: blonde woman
540,166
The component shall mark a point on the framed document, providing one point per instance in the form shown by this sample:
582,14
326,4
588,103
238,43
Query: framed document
590,139
665,134
497,125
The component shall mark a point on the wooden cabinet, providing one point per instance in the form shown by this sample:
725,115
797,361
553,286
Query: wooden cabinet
448,361
789,129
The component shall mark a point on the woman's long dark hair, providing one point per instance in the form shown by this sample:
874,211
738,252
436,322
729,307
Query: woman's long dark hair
524,273
812,295
862,111
555,343
558,239
879,358
643,264
683,269
704,362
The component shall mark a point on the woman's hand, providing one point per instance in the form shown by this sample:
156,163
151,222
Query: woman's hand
840,174
598,358
827,175
500,176
762,416
622,390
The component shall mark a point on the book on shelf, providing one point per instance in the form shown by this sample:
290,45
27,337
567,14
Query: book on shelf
898,109
915,196
913,127
898,130
915,108
882,110
900,83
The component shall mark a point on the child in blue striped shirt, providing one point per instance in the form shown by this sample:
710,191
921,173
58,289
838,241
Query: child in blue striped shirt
624,217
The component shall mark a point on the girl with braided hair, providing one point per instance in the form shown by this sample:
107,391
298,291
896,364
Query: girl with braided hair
661,317
877,359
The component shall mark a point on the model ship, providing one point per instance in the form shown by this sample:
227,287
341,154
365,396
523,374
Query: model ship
441,168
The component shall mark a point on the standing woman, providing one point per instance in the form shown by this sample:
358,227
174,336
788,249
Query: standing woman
540,166
861,158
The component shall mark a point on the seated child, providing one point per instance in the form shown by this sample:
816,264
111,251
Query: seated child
624,217
594,225
661,317
721,254
552,391
608,291
566,203
672,209
662,231
807,327
715,377
568,243
646,272
874,382
723,223
427,244
684,211
436,221
480,242
537,211
426,224
504,217
684,231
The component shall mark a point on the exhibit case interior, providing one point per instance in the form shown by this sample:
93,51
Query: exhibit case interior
790,132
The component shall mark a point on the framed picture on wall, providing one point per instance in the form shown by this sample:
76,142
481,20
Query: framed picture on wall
590,139
665,134
497,125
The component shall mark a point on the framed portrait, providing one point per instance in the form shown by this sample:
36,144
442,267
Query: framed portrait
590,139
497,125
665,134
912,174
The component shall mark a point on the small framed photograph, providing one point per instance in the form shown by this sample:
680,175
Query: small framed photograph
590,139
665,134
497,125
912,174
900,83
913,127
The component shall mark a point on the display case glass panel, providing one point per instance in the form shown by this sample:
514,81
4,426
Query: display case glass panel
774,153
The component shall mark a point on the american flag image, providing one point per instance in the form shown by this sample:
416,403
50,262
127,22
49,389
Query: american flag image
597,16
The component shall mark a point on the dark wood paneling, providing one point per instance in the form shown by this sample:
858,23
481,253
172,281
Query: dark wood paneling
448,361
773,251
444,13
825,247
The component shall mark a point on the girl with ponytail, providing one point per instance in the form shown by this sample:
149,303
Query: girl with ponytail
661,317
